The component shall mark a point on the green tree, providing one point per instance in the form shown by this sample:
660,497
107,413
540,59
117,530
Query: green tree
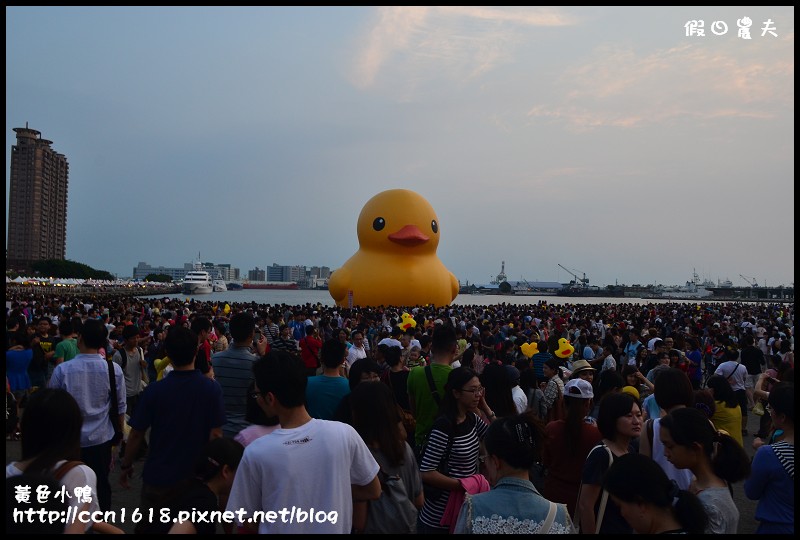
59,268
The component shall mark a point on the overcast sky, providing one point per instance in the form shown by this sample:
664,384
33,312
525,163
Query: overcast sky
603,139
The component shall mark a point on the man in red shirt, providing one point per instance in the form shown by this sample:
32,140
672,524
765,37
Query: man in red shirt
310,346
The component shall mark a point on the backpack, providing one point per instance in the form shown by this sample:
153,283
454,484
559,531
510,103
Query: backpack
393,512
124,357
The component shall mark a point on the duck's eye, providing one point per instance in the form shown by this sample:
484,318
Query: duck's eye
434,226
379,224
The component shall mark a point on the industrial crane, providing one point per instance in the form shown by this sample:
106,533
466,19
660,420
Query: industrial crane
750,281
578,282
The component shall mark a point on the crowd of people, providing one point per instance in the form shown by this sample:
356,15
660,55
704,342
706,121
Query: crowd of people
476,415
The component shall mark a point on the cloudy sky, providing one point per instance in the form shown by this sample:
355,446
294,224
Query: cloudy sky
602,139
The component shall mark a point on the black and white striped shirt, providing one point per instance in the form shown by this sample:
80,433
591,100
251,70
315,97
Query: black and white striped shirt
463,460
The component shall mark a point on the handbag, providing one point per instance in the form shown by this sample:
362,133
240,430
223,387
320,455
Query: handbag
758,408
113,410
392,512
432,493
598,522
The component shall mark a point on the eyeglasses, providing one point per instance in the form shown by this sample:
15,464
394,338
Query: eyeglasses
476,391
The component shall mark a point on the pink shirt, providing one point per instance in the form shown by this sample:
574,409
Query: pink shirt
251,433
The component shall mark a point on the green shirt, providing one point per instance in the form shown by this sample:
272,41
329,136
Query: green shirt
419,393
67,349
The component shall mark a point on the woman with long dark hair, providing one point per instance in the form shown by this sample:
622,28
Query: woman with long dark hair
728,413
498,390
715,459
649,501
453,446
620,422
376,419
50,431
473,357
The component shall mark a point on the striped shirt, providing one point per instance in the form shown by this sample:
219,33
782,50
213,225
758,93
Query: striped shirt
463,460
271,332
233,370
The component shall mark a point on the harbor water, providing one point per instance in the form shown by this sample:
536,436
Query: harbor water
323,297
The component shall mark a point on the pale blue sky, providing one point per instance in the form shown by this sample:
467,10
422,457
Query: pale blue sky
603,139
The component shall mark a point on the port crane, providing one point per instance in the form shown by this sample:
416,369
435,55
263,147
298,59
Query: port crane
577,282
750,281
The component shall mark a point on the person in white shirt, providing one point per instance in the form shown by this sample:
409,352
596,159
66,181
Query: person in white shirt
520,399
736,373
309,467
357,351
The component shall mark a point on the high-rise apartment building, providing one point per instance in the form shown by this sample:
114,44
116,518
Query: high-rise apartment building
37,210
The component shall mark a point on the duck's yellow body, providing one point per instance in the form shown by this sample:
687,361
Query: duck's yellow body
396,263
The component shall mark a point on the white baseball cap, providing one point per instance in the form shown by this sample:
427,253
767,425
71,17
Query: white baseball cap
578,388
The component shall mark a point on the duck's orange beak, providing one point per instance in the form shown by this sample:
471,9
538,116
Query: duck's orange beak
409,235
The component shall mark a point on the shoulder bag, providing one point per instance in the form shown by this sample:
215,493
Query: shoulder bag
393,512
65,468
431,492
598,522
432,385
113,410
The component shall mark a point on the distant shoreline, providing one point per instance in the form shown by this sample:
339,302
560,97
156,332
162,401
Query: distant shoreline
323,298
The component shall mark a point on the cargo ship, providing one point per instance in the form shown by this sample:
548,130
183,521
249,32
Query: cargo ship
282,285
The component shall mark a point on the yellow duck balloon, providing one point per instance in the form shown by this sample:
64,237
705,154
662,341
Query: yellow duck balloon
407,322
565,348
529,349
396,263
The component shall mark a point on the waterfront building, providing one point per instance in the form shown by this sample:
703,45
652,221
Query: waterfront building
37,210
224,271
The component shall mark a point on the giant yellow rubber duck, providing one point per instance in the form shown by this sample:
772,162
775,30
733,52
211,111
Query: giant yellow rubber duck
396,263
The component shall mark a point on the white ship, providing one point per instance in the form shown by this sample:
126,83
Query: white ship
197,281
692,289
219,285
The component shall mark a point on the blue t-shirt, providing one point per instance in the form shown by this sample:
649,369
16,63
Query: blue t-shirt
773,487
649,404
323,395
180,410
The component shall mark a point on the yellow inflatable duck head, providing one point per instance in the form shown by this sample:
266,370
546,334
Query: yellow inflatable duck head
396,263
529,349
407,322
565,348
